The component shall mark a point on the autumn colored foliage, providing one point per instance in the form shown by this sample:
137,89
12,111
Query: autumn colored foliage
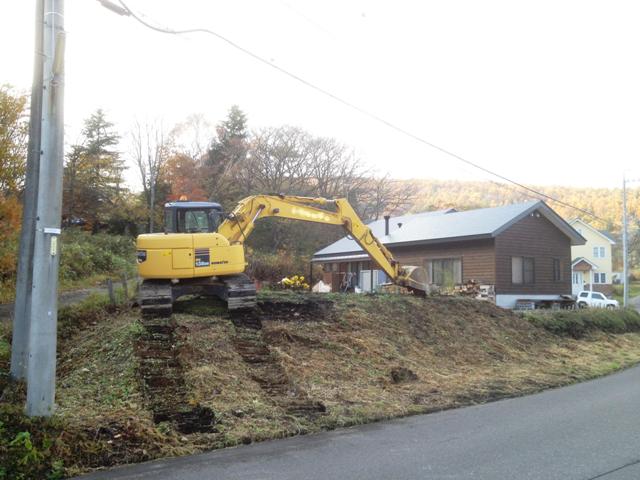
181,173
10,218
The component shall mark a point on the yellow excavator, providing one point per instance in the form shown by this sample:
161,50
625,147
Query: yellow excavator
201,251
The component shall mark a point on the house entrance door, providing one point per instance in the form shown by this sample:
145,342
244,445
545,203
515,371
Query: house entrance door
578,282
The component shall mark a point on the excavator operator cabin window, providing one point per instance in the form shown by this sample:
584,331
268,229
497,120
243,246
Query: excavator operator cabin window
193,221
169,225
215,219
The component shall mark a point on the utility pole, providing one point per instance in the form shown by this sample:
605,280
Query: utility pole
625,237
21,313
625,246
43,304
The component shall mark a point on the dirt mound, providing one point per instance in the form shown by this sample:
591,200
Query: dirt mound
299,363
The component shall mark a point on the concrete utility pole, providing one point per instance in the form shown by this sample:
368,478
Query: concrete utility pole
625,245
625,238
21,313
43,305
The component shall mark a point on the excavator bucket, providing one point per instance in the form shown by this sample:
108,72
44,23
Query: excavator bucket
414,278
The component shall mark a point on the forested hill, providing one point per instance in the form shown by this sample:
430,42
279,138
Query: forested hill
604,202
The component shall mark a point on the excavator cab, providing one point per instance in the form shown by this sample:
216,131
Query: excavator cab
192,217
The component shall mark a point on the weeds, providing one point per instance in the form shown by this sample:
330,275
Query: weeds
273,267
29,448
578,323
84,259
83,254
365,357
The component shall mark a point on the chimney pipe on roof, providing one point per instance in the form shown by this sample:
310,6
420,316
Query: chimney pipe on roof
386,224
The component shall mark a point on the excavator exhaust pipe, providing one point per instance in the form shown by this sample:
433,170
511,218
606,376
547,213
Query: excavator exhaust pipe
414,278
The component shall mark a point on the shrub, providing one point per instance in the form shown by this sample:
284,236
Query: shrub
84,255
274,267
295,282
10,218
577,323
28,447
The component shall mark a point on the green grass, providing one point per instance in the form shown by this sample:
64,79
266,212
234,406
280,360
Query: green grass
634,291
85,260
578,323
97,389
462,352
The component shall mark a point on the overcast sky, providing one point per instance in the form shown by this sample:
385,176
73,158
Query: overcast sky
544,92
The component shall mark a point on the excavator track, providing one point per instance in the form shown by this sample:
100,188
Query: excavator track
239,292
155,298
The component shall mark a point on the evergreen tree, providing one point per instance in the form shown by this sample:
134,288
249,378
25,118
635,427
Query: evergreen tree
93,173
226,153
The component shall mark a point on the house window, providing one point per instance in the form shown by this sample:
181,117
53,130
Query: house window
557,270
598,252
522,270
445,271
599,278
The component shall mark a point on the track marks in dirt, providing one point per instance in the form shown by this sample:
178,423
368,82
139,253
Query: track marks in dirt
161,372
267,371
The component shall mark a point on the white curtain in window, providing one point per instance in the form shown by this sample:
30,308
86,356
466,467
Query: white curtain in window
516,270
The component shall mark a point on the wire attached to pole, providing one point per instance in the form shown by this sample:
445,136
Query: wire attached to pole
129,12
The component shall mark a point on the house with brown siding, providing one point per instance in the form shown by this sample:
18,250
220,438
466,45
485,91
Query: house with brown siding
520,251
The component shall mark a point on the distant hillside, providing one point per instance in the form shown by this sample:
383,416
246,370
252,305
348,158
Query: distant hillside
604,202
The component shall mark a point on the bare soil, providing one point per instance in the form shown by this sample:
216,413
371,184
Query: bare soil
130,391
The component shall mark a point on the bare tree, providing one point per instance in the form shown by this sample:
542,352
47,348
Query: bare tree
279,161
382,195
192,136
334,169
150,150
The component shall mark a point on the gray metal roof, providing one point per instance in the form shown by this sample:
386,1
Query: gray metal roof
346,244
451,225
609,236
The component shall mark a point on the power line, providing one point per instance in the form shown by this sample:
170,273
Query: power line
346,103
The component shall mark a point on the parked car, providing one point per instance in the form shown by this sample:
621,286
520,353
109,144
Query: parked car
595,299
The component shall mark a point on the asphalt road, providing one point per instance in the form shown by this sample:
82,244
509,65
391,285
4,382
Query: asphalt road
587,431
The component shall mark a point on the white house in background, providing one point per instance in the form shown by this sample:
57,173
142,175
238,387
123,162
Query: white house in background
591,263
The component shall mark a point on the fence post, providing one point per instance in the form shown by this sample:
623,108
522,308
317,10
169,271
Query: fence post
125,287
112,296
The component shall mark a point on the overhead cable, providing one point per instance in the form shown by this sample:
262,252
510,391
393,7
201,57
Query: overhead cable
351,105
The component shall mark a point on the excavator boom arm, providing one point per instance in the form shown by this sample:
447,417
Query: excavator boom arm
239,224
